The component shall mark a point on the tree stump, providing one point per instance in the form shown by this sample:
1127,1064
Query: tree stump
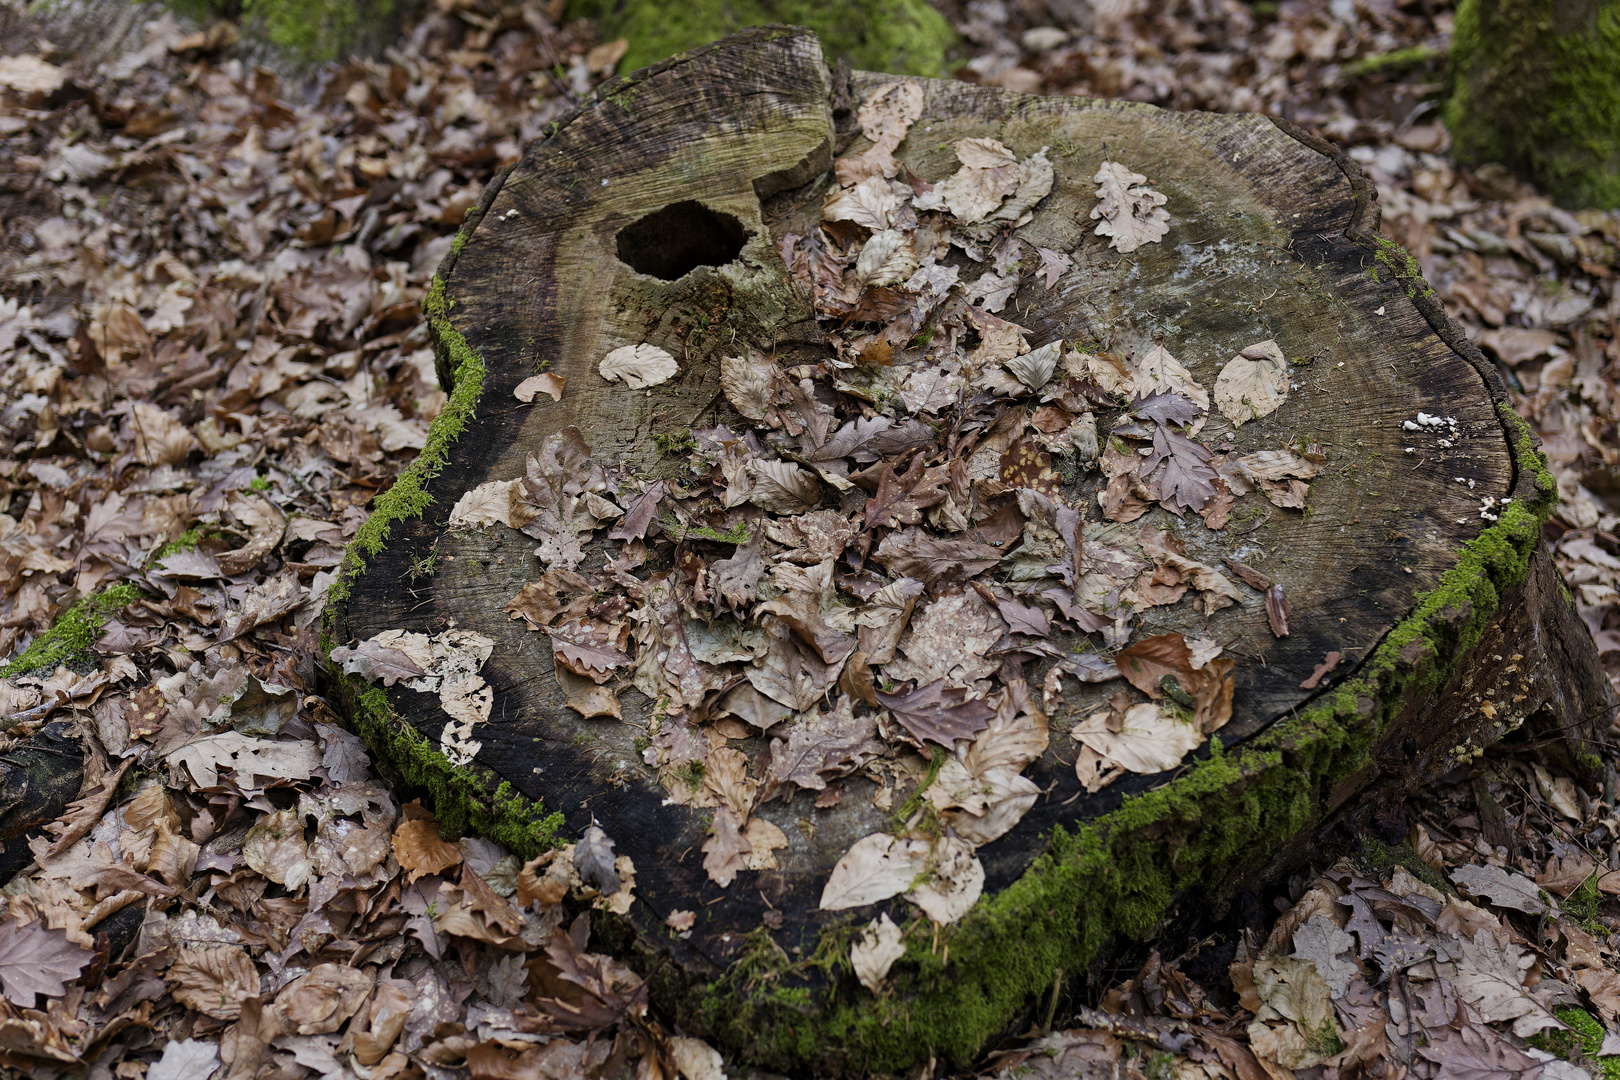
658,215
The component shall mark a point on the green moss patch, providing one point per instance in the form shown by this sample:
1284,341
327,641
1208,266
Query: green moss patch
75,630
907,37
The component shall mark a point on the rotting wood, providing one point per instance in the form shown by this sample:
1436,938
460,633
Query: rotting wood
1272,237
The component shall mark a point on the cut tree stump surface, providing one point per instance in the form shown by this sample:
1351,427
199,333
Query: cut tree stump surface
1270,238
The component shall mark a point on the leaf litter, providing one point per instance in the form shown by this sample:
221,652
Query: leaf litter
335,382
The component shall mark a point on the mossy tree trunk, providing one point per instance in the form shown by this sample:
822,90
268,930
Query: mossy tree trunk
1453,625
904,36
1537,89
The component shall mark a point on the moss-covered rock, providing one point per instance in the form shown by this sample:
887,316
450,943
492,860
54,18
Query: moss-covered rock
904,36
1537,88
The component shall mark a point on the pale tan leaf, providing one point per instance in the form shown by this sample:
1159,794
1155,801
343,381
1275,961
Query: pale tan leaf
639,366
1131,212
888,258
876,951
696,1059
547,382
954,883
159,439
875,868
30,75
984,154
748,382
869,203
1149,740
275,847
1254,383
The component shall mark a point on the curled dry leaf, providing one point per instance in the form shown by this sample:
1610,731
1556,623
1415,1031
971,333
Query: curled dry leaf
321,1001
639,366
548,383
1277,609
421,851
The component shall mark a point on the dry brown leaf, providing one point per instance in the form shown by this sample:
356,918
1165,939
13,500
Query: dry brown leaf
322,1000
214,981
421,851
548,383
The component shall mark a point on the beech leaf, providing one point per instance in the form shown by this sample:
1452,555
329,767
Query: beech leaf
639,366
1131,212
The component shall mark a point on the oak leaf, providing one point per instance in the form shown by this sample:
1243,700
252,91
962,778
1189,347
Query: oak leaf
1131,212
36,960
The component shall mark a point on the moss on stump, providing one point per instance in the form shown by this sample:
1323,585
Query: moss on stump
1537,88
904,36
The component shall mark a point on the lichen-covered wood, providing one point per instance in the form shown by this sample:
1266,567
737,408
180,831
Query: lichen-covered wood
1416,562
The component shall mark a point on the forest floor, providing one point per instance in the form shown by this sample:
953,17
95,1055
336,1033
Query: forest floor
209,313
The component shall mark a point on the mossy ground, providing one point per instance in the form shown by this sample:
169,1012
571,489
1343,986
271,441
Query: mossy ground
75,630
305,31
1580,1042
1535,88
907,37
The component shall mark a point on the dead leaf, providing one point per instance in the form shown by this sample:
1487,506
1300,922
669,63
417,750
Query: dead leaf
640,366
875,868
36,960
214,981
1254,383
593,858
275,847
1132,213
1499,887
548,383
1277,609
420,851
324,999
1148,740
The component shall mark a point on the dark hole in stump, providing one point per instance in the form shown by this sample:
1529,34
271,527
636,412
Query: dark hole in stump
678,239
